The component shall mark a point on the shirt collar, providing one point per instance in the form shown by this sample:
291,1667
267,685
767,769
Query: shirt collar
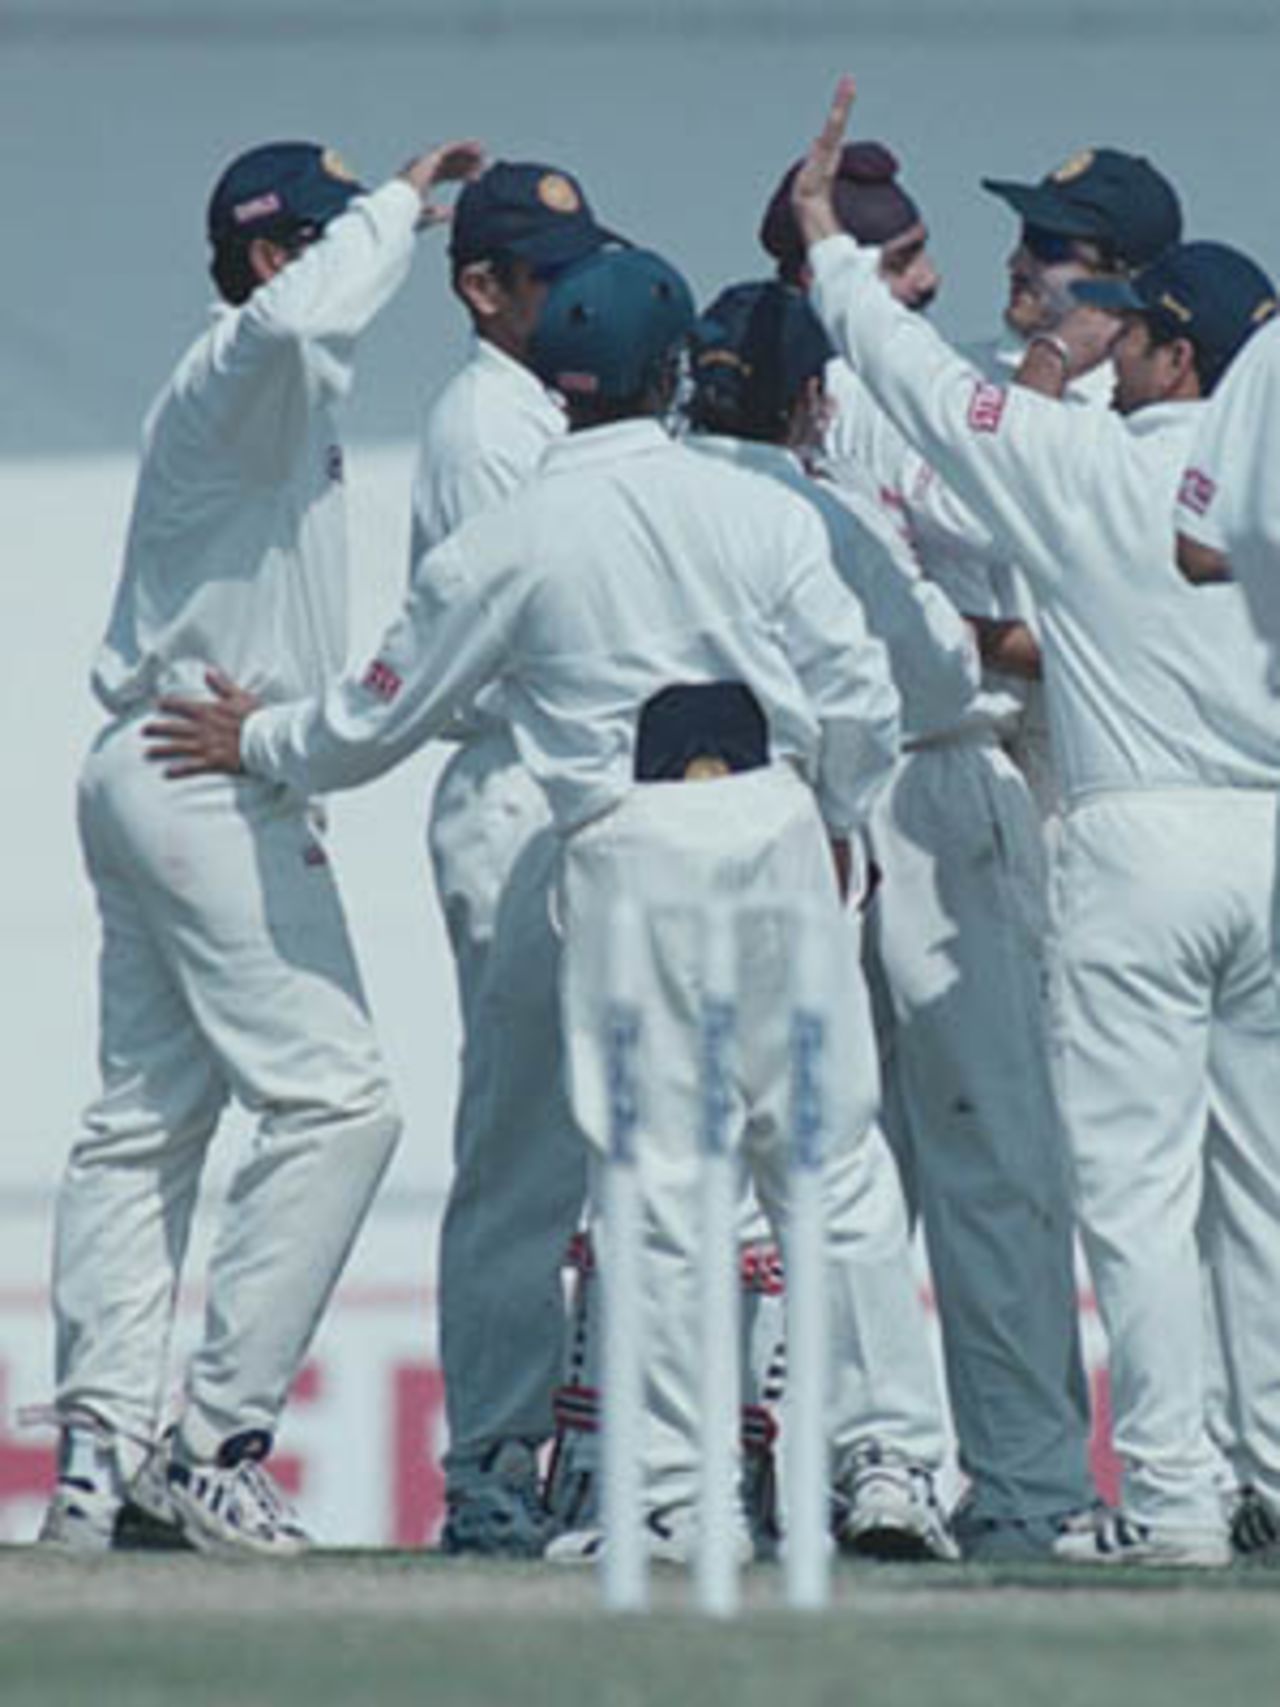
749,453
488,355
593,445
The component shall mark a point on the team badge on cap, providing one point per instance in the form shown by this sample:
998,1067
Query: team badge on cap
1171,305
1076,167
333,163
557,193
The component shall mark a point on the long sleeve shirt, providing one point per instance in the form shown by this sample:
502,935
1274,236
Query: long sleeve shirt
630,564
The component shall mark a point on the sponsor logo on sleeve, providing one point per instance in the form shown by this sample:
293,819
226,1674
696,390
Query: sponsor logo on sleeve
333,464
1196,492
382,681
986,407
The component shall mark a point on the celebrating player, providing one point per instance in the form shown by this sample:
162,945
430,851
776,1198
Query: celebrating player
1168,746
519,1162
696,692
226,969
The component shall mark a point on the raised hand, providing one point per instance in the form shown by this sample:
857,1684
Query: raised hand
811,190
450,163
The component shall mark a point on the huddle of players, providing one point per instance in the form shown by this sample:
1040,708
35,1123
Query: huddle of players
939,493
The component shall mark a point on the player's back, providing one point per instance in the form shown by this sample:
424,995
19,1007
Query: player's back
634,564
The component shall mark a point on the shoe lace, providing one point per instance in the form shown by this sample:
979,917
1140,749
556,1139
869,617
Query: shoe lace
869,1462
259,1489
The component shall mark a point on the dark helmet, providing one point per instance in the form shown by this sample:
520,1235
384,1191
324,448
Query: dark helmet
610,323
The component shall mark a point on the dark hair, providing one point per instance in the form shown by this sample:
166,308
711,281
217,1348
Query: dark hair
654,398
725,401
503,263
231,268
1209,369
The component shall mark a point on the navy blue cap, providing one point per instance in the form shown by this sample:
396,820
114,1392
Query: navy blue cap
279,186
1207,292
754,348
609,323
1104,196
517,207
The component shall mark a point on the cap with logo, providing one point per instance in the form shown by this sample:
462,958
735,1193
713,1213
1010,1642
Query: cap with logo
1206,292
536,213
1104,195
869,202
278,188
609,323
754,348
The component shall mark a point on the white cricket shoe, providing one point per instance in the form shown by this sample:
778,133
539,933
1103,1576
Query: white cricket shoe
96,1506
80,1517
885,1507
1114,1538
232,1506
495,1505
670,1534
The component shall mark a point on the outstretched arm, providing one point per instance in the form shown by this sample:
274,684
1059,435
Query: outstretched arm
1023,464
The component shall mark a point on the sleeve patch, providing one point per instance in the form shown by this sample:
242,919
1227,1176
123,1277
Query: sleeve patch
382,681
1196,492
986,407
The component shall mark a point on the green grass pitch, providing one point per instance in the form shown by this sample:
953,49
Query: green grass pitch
384,1628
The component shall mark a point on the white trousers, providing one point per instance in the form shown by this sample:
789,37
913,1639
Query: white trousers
519,1181
750,838
226,970
1166,1013
956,939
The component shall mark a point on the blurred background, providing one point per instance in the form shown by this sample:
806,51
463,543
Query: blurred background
679,115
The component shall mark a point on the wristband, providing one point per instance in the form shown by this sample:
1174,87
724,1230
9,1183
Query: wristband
1058,345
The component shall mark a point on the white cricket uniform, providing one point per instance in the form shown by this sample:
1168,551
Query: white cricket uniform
226,967
631,564
1168,748
956,961
519,1179
1229,497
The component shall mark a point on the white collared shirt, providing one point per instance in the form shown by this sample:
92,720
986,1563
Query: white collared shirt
932,653
483,438
630,564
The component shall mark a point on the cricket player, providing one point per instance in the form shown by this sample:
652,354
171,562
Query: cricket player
519,1179
1167,743
955,956
226,969
697,694
758,401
